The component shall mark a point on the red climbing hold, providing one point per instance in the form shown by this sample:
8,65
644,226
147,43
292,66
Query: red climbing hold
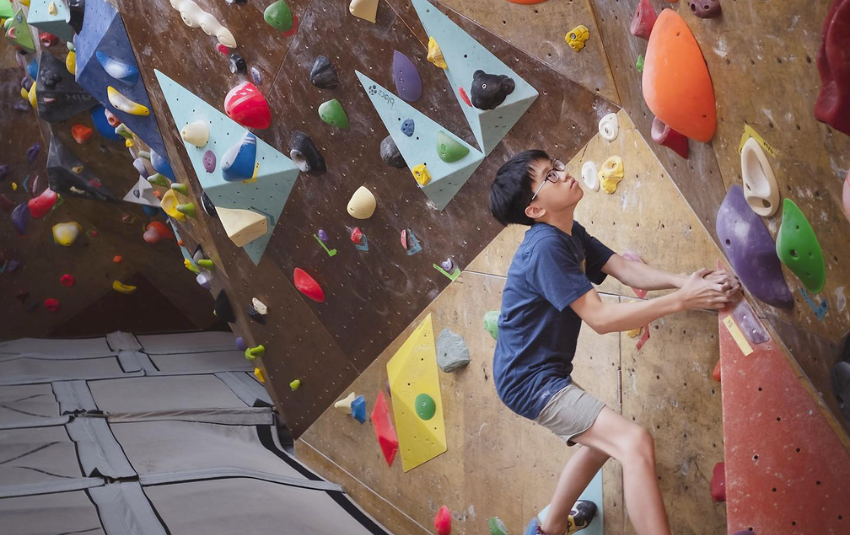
52,305
443,521
42,204
223,49
643,20
308,286
81,133
716,373
664,135
676,83
47,39
247,106
117,259
357,236
67,280
157,230
464,96
718,482
833,103
385,431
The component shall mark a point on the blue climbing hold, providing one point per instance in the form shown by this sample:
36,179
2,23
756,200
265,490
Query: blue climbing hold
358,409
32,69
238,162
407,127
161,165
129,74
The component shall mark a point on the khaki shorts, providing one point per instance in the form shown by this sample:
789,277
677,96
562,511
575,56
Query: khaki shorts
570,412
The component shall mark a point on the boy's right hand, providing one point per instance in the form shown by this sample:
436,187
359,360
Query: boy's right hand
698,292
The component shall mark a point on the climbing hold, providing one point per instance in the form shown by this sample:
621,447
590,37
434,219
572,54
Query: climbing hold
197,133
157,230
443,521
358,409
223,309
390,153
633,333
122,103
833,103
760,187
194,17
205,263
705,9
187,209
169,203
158,180
425,406
639,63
643,20
124,72
497,527
47,39
111,118
491,323
611,174
295,384
51,304
490,90
718,480
123,288
609,127
408,83
323,236
42,204
239,160
222,49
308,286
364,9
247,106
448,149
256,76
421,174
345,404
448,265
435,55
33,152
20,216
332,113
384,430
257,311
362,204
66,233
279,16
243,226
305,155
751,251
71,62
161,165
255,352
81,133
356,236
798,247
240,343
408,127
666,136
258,373
209,161
323,75
208,206
117,259
237,63
676,83
67,280
589,176
180,188
846,195
452,352
577,37
57,95
4,172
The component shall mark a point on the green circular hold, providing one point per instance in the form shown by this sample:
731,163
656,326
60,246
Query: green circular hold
332,113
279,16
425,406
448,149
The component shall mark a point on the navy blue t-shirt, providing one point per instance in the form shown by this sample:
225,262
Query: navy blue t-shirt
537,328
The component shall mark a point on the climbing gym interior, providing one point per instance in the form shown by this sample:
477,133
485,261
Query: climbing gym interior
250,281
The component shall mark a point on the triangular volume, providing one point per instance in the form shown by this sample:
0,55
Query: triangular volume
417,404
421,146
103,31
6,9
18,31
464,55
68,177
56,23
142,193
274,173
58,96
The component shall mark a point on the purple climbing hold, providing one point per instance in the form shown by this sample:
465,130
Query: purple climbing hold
33,152
323,236
240,344
139,164
209,161
751,250
13,266
4,172
21,105
407,127
408,84
448,265
256,76
20,215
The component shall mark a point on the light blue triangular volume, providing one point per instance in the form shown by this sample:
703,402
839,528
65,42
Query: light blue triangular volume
464,55
421,147
57,24
276,175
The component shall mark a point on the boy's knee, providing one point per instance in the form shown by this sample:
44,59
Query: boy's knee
640,445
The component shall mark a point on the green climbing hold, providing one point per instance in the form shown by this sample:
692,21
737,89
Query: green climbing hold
798,248
639,63
253,352
497,527
187,209
180,188
332,113
158,180
491,323
207,264
279,16
425,406
449,149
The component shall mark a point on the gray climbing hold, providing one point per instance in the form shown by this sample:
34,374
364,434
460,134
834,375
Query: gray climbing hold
452,352
390,153
323,75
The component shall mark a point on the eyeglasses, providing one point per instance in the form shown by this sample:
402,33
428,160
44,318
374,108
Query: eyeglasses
552,176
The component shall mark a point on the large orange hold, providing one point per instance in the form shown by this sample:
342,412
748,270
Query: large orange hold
676,83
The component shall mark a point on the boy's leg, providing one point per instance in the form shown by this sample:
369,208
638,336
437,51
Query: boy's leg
633,446
577,474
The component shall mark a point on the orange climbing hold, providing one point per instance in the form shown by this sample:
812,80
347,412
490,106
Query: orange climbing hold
676,83
81,133
117,259
308,286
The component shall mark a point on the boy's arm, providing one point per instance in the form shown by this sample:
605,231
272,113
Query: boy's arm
646,277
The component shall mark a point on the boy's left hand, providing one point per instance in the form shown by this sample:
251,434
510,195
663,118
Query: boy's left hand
728,281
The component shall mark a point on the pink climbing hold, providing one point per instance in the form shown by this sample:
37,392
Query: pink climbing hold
833,104
52,305
718,482
308,286
643,20
443,521
157,230
42,204
465,97
384,430
666,136
357,236
247,106
67,280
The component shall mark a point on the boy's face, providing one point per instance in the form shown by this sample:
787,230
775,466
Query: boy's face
554,197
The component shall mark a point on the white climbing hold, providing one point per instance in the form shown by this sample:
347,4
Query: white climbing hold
242,226
760,187
362,204
259,306
589,176
197,133
609,127
195,17
345,404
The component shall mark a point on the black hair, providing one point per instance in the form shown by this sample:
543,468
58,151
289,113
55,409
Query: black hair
511,193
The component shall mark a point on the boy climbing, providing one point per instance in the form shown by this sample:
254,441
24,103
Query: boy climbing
547,296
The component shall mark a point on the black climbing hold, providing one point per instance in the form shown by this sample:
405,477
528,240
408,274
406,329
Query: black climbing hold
407,127
237,63
58,95
62,177
236,1
256,316
305,154
76,8
390,153
323,74
209,207
490,90
223,309
840,376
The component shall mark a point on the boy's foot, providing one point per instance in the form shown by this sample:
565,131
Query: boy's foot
581,515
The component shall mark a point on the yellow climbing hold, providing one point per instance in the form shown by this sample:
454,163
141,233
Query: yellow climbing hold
633,333
190,266
71,62
14,186
120,102
51,8
435,55
421,174
258,373
31,96
123,288
242,226
611,173
577,37
169,203
66,233
295,385
364,9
